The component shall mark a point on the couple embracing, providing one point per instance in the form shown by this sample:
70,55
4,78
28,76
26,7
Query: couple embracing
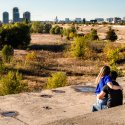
108,91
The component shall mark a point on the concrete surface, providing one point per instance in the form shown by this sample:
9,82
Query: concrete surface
63,106
114,116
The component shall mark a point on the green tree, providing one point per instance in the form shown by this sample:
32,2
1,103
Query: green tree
69,31
47,27
37,27
94,35
56,30
7,53
111,35
17,35
78,47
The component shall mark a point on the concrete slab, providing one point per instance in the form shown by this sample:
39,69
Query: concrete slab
113,116
48,106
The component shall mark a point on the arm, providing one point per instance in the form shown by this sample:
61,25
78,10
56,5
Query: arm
114,87
101,95
99,76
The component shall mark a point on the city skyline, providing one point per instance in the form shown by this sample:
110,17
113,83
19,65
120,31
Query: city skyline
15,16
49,9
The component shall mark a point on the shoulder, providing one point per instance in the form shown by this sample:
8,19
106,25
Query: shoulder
115,83
107,79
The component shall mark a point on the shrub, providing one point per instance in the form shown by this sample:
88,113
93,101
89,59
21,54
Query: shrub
78,47
12,84
69,32
111,35
114,67
94,35
2,67
72,35
30,57
47,27
58,79
56,30
112,54
37,27
7,53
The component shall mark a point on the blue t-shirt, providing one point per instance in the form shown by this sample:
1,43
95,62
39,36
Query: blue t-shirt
102,83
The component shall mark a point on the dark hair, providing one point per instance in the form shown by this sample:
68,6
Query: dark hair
113,75
106,70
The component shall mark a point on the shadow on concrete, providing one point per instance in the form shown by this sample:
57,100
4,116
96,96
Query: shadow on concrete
87,89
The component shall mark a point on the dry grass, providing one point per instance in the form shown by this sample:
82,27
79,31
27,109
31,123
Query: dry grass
51,58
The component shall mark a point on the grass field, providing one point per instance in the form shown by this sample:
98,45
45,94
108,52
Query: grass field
52,56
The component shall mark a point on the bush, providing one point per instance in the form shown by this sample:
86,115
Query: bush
114,67
2,67
58,79
17,35
56,30
112,54
78,47
94,35
12,84
72,35
46,28
111,35
37,27
30,57
7,53
69,32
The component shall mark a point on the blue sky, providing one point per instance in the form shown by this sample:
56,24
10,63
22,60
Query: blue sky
49,9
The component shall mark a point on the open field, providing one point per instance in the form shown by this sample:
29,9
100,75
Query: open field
52,57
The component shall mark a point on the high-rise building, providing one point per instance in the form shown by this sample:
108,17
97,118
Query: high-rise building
27,15
99,20
67,20
109,20
123,18
117,20
56,20
78,20
16,15
5,17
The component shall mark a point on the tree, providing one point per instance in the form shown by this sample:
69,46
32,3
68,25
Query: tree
17,35
7,53
78,47
84,20
47,27
94,35
69,32
56,30
111,35
37,27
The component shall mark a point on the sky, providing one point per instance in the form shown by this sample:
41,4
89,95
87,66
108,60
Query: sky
49,9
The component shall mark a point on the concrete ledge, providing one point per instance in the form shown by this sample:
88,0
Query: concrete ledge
113,116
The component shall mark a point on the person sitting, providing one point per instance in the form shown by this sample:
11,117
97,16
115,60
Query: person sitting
103,79
115,97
